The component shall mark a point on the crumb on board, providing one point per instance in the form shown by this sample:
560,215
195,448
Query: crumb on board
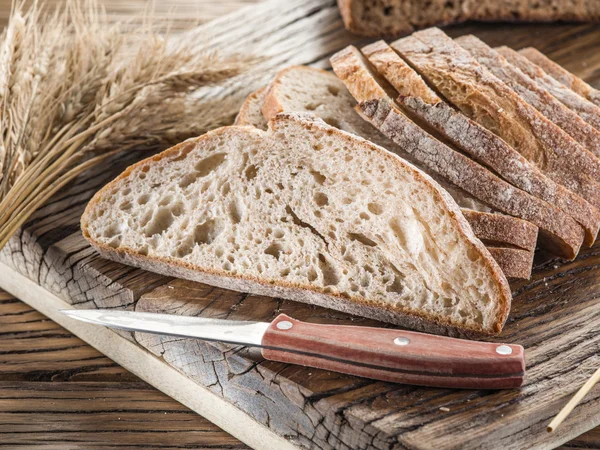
444,409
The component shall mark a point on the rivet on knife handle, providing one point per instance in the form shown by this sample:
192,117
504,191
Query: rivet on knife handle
395,355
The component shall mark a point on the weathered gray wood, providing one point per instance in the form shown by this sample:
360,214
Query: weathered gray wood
555,316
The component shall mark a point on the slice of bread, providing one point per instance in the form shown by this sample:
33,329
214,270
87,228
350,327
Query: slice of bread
515,262
562,75
419,102
533,93
250,113
397,17
559,233
499,230
305,89
586,109
487,100
307,212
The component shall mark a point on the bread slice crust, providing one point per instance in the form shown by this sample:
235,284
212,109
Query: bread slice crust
308,293
562,75
250,113
587,110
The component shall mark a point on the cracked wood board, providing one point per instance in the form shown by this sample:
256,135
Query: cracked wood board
556,315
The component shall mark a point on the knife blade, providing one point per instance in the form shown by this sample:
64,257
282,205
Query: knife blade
379,353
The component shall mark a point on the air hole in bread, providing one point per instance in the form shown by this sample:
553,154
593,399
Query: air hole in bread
333,122
125,206
364,216
321,199
312,106
115,241
165,200
278,234
207,232
161,220
279,186
333,90
330,276
318,176
317,147
275,250
362,239
375,208
312,274
143,199
209,164
347,200
396,227
185,249
226,188
284,272
177,209
235,211
251,172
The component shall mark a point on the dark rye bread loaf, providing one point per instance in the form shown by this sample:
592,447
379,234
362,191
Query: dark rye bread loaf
533,93
306,89
558,231
562,75
422,103
487,100
397,17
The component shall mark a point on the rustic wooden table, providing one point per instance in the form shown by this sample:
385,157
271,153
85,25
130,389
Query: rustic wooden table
56,392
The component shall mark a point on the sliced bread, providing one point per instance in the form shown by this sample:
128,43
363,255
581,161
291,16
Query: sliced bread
558,231
430,111
562,75
586,109
250,113
307,212
499,230
533,93
305,89
487,100
515,262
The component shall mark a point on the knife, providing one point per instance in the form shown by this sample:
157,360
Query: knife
379,353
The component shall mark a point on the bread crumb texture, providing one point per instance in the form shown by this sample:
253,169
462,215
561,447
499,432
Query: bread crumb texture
305,206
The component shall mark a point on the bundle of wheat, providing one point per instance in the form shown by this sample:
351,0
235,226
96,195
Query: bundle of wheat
73,93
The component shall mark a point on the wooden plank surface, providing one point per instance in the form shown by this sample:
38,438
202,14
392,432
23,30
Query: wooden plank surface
55,391
555,316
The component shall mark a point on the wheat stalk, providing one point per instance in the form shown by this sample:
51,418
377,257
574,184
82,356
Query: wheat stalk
74,94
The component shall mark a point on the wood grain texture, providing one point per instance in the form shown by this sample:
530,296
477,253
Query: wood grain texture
555,315
56,391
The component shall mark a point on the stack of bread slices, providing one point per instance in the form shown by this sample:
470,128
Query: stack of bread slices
515,146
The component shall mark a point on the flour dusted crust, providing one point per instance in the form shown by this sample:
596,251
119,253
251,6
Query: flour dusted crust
587,110
562,75
484,293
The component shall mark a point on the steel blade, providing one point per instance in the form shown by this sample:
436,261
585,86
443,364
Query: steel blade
230,331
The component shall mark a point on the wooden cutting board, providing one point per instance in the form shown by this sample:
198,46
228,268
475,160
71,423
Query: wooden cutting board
556,315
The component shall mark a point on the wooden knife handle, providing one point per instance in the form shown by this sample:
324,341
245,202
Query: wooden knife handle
395,355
